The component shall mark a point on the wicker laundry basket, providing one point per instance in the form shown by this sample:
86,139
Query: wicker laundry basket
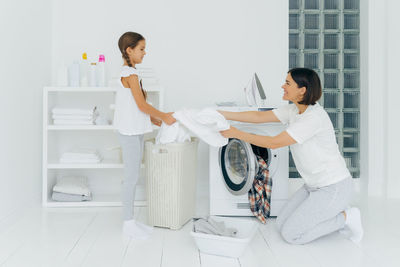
171,183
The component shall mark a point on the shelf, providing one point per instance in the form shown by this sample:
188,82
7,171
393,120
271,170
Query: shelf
79,127
79,89
105,177
89,89
101,165
97,201
85,127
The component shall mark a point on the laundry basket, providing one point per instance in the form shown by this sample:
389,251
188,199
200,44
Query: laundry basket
171,183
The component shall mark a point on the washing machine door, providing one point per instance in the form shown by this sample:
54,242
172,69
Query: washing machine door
238,166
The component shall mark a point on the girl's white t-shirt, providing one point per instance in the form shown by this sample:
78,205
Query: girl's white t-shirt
316,153
128,118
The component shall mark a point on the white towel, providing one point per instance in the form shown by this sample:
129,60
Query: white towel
175,133
77,185
206,124
73,122
83,151
78,156
81,161
81,155
86,153
72,117
73,111
57,196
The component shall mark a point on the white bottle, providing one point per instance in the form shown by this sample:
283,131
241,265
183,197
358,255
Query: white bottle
73,74
101,71
84,68
92,74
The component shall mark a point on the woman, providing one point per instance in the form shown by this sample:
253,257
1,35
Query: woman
320,206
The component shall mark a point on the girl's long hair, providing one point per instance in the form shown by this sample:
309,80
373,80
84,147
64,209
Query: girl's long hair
130,39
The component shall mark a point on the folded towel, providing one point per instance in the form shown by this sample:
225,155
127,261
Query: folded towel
73,122
210,226
73,111
82,151
72,117
81,155
56,196
77,185
80,161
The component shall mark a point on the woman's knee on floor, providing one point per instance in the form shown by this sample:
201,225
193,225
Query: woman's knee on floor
291,234
288,235
292,237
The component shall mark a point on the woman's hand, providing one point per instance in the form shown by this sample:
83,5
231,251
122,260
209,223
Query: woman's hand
168,118
156,121
232,132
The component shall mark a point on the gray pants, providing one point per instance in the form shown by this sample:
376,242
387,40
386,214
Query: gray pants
315,212
132,153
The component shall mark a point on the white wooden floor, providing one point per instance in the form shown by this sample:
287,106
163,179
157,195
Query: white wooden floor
92,237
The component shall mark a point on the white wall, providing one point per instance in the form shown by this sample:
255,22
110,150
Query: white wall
24,70
393,97
364,96
381,57
374,84
203,51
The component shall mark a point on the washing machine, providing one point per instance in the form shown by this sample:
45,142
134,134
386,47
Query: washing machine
234,166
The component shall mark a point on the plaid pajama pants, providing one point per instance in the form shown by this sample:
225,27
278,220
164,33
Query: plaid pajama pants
260,193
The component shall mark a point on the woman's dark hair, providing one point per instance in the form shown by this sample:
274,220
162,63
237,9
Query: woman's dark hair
130,39
309,79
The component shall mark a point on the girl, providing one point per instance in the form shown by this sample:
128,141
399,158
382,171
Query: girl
132,118
320,207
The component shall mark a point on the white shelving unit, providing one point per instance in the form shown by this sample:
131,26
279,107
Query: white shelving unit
105,178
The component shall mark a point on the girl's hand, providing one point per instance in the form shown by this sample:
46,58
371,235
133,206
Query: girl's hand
168,119
230,133
156,121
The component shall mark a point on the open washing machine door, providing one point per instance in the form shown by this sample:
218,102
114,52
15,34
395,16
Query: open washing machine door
238,165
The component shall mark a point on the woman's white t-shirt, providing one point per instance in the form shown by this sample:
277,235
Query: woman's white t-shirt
128,118
316,153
